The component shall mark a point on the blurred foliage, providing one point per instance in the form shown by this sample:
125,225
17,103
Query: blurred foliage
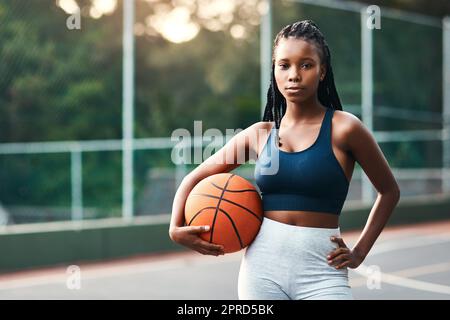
57,84
37,179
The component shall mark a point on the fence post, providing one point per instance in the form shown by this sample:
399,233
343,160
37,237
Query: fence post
446,106
76,166
265,50
128,112
367,92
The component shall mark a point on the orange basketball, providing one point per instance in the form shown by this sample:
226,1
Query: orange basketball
230,205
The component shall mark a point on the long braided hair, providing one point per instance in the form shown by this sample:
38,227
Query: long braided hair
276,104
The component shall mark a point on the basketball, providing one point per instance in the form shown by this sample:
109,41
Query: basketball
230,205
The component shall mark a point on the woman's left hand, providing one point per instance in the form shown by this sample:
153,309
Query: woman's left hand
342,256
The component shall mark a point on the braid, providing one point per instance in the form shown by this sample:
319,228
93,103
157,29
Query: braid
327,94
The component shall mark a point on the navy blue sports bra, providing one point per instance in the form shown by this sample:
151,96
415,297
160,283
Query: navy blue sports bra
307,180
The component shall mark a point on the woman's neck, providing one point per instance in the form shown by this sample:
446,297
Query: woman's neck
302,113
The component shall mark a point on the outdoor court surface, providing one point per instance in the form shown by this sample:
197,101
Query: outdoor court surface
412,262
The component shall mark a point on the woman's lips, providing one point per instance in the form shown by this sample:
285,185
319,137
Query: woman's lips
295,90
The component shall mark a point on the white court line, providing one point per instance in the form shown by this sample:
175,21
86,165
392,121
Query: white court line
406,282
408,273
90,273
423,270
400,278
414,242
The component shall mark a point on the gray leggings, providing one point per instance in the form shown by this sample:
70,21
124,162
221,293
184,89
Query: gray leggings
287,262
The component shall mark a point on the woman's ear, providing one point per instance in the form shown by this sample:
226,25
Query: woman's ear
323,72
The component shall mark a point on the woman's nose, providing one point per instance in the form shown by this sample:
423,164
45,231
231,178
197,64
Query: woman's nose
294,74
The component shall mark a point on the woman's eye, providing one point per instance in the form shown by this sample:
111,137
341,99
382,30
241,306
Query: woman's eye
304,66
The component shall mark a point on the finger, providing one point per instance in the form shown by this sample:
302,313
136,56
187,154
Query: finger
212,252
212,247
339,241
200,250
204,251
339,259
199,229
205,244
337,252
209,253
343,265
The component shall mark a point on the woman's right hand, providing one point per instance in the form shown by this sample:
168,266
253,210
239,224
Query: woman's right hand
188,236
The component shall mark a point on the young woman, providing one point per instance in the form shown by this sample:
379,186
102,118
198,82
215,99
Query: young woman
298,252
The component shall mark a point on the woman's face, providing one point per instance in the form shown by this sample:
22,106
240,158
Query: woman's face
298,69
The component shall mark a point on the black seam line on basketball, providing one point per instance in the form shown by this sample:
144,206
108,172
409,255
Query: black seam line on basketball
234,227
228,190
228,216
225,199
217,208
195,216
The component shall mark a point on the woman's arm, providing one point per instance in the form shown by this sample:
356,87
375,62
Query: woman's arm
364,148
235,152
188,236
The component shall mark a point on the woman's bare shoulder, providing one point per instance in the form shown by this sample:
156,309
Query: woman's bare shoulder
258,133
345,126
344,118
262,125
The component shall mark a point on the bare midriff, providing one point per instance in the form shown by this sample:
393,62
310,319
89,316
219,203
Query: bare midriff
311,219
